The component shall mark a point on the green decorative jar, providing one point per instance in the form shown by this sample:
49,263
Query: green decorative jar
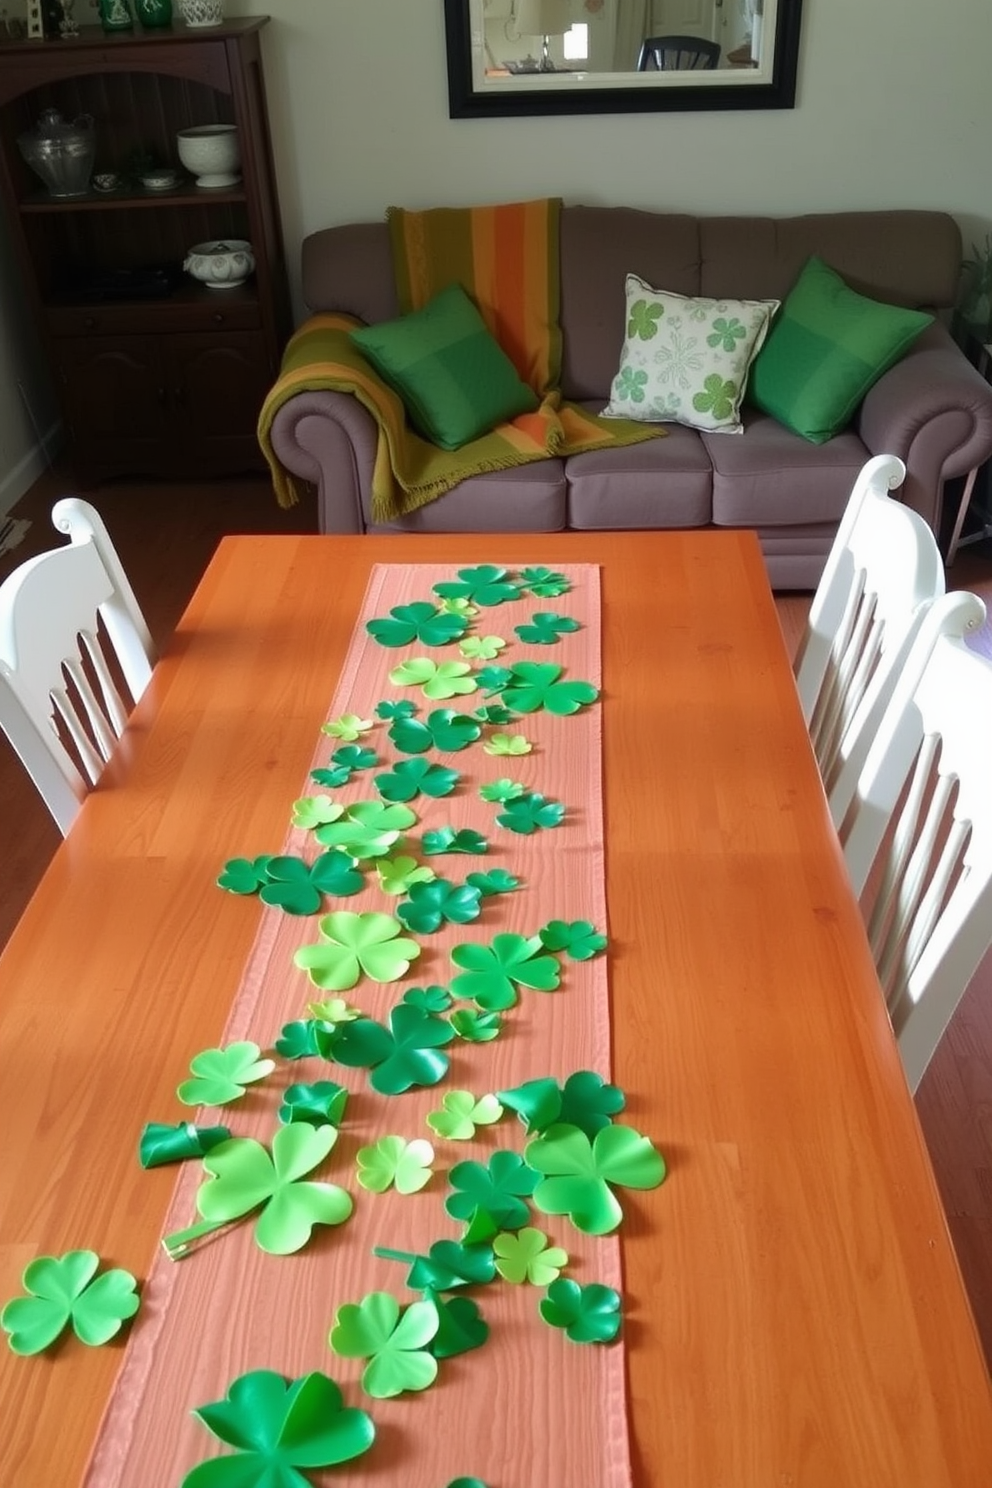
153,13
115,15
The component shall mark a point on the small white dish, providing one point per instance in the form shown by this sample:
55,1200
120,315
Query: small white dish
165,180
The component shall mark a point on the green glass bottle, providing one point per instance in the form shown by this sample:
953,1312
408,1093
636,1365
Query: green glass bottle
153,13
115,15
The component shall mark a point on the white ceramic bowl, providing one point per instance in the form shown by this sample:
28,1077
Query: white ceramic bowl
220,263
211,153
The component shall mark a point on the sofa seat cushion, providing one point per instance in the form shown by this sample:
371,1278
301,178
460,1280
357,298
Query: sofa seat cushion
663,483
771,477
525,498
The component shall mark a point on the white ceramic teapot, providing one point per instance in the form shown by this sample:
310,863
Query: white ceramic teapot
220,263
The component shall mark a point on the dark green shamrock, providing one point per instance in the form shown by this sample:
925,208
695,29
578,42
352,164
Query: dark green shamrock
389,710
544,583
447,840
499,1189
493,679
439,902
588,1314
449,1265
459,1325
277,1427
493,712
297,887
417,622
585,1100
525,814
245,875
298,1039
405,1054
484,585
162,1144
496,881
491,974
443,729
412,777
332,777
536,684
545,627
430,999
577,938
474,1026
354,757
321,1104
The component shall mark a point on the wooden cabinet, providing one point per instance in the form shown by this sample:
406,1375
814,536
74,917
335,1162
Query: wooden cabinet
157,374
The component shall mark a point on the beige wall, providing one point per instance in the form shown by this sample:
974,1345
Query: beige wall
894,109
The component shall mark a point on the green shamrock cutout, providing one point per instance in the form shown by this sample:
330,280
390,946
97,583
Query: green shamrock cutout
245,875
298,1040
461,1113
315,811
501,790
537,684
405,1054
449,1264
536,1102
348,727
585,1100
459,1326
243,1176
298,888
496,881
498,1190
527,1256
485,585
320,1104
577,1172
279,1426
397,875
476,1027
417,622
62,1289
588,1314
644,318
344,763
544,583
528,813
333,1010
545,628
411,777
493,679
443,729
395,1345
220,1075
491,974
160,1144
508,744
367,829
394,1162
466,1483
482,648
389,710
434,904
430,999
447,840
716,397
436,679
493,712
577,938
332,776
353,945
456,606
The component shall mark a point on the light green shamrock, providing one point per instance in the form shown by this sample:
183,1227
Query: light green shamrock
334,1010
61,1290
630,384
481,648
243,1175
455,606
435,679
461,1113
315,811
396,875
578,1170
368,829
527,1256
501,790
348,727
490,974
726,333
717,397
394,1161
395,1345
644,318
353,944
475,1027
222,1074
507,744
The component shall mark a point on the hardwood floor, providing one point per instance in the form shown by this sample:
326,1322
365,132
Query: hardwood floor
166,533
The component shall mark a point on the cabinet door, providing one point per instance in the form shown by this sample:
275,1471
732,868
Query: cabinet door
218,381
115,403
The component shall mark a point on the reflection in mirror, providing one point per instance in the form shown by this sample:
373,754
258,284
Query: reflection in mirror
574,56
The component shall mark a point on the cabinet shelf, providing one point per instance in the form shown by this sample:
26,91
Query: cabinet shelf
103,201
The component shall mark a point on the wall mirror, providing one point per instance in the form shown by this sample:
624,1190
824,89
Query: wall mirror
512,57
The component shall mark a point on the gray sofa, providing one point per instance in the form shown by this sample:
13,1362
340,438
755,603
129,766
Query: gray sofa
932,408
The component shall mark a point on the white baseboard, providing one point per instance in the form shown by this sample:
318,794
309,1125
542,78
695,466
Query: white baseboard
22,477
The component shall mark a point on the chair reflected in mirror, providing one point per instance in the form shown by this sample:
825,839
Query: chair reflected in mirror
677,54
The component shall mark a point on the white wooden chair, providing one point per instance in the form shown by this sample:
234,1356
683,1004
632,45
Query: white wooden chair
918,832
60,705
883,570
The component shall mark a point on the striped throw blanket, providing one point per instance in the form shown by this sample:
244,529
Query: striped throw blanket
506,257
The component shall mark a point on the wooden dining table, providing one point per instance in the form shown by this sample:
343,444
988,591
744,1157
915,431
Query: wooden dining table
799,1316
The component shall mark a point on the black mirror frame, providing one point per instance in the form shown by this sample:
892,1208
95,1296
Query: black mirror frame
464,103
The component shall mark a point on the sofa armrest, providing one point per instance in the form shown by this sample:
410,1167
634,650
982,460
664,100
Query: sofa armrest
329,439
934,410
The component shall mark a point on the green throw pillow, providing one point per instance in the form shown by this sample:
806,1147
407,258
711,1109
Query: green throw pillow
455,380
826,348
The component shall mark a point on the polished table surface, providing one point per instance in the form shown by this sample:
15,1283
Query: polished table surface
798,1314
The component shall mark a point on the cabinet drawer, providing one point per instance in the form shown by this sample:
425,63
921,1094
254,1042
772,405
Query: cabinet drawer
156,317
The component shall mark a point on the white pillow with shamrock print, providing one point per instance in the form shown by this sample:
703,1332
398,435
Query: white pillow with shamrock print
686,358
